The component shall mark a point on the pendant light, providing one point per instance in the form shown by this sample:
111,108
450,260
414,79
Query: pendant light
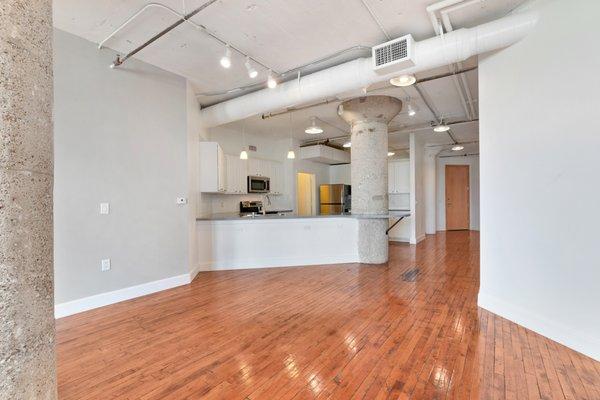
403,80
390,153
411,111
291,155
313,129
441,128
243,153
458,148
347,145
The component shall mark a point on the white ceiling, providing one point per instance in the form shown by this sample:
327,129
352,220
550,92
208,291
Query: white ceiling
282,34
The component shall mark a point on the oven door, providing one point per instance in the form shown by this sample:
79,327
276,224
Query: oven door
258,184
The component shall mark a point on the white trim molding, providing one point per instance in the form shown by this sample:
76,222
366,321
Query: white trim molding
560,333
116,296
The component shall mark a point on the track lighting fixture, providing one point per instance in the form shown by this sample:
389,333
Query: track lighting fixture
252,72
226,59
347,145
458,148
390,153
313,129
403,80
271,81
411,111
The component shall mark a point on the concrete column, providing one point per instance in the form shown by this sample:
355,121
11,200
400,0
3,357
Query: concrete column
368,118
27,359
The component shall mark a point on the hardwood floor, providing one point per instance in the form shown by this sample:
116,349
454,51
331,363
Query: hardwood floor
407,330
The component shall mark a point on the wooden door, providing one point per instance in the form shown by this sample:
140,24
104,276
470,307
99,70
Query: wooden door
457,197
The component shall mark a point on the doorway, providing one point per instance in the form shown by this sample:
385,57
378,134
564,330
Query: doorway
306,194
457,197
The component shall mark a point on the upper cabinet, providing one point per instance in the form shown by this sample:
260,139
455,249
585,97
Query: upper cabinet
399,177
236,175
213,168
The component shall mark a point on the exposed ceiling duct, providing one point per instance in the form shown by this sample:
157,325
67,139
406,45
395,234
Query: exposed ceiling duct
435,52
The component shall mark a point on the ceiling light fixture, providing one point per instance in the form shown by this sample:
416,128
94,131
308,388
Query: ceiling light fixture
226,59
390,153
458,148
411,111
271,81
441,128
313,129
243,153
403,80
252,73
291,155
347,145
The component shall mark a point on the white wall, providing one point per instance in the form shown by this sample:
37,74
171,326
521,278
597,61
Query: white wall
417,197
430,190
120,137
473,163
340,174
539,145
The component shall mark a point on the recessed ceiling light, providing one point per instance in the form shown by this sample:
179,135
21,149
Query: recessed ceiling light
271,81
252,72
441,128
226,59
403,80
458,148
347,144
390,153
313,129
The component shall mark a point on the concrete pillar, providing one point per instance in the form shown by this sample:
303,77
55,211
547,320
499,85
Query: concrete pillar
368,118
27,359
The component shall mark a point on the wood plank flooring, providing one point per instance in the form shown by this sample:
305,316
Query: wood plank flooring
407,330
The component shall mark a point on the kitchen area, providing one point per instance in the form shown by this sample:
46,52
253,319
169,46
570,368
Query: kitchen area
284,202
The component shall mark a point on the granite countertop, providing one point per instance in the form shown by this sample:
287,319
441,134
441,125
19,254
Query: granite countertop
291,215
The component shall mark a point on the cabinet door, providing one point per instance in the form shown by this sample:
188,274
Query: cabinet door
254,167
221,170
231,187
242,176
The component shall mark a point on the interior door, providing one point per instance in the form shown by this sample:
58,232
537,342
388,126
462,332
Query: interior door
457,197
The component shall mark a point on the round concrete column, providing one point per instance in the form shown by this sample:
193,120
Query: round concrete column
368,118
27,360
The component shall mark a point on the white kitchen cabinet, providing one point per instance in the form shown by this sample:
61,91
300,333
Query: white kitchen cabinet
277,177
236,175
399,177
213,168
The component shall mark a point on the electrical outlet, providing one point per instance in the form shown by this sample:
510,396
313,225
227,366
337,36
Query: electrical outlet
104,208
105,264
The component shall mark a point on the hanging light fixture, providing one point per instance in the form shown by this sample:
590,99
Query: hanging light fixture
441,128
243,153
403,80
411,111
347,145
390,153
252,72
226,59
458,148
271,81
291,155
313,129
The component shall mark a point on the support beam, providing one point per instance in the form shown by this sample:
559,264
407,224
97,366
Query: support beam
27,359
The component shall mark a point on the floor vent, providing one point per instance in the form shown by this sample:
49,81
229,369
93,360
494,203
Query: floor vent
411,275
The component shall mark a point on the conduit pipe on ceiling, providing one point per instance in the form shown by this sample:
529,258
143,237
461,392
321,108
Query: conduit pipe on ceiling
431,53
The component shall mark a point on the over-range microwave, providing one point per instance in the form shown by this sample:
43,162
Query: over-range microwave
258,184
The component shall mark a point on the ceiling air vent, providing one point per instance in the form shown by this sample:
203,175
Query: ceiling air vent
393,55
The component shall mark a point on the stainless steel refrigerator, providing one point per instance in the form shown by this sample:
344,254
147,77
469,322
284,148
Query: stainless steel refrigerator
334,199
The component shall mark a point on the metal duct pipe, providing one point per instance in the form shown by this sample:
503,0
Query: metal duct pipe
435,52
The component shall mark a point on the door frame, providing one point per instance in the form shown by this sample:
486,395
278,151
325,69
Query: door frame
313,192
457,166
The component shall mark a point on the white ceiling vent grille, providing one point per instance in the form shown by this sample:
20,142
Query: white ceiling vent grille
393,55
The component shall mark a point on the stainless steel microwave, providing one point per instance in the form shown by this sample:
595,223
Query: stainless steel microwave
258,184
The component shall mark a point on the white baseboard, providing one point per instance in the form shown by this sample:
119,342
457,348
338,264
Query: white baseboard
275,262
582,343
104,299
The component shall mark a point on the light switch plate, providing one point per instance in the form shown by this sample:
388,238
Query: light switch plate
104,208
105,264
181,200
